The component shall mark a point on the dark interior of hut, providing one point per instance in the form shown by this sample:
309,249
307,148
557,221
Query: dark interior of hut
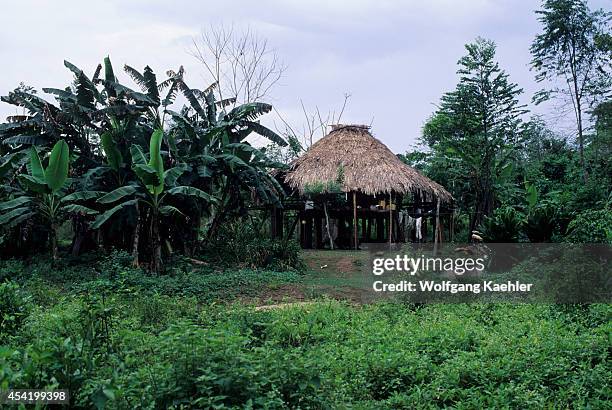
354,217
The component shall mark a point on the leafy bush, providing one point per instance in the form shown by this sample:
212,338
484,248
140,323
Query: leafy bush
591,227
14,308
326,355
503,226
204,284
239,244
541,223
11,269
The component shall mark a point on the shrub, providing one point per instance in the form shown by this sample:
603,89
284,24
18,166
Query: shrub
204,284
239,244
541,223
11,269
326,355
591,227
14,308
503,226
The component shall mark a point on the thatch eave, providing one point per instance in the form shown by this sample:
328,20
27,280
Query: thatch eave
367,165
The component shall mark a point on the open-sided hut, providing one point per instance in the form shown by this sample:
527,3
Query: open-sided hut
354,180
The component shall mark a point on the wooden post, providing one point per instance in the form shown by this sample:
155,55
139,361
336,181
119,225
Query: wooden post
331,240
437,228
452,225
390,221
302,229
355,219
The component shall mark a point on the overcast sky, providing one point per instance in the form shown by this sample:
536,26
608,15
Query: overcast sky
395,58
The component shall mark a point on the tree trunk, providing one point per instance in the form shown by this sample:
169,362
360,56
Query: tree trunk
54,250
79,235
217,217
135,244
156,240
331,240
484,207
581,137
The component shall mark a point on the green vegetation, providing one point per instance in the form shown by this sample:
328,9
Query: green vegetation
151,204
492,157
137,269
121,343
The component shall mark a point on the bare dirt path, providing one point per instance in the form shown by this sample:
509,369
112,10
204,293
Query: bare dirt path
330,274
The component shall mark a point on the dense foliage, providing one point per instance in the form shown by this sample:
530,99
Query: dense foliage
118,348
516,178
575,45
117,184
116,192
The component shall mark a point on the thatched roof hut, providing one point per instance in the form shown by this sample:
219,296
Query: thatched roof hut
368,166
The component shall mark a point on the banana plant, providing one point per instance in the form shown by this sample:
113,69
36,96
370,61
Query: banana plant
152,191
215,145
44,194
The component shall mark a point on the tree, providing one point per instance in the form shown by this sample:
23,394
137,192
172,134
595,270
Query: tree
44,195
103,123
575,47
241,63
154,189
475,131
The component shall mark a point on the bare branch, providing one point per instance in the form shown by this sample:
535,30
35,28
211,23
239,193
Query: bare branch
243,63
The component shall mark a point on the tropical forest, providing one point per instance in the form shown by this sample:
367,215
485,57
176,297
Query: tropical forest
173,240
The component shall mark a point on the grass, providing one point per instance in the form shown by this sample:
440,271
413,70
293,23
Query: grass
193,339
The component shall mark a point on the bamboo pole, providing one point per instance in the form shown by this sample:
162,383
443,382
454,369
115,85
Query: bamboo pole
355,218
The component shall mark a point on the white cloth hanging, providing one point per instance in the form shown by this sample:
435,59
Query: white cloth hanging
417,226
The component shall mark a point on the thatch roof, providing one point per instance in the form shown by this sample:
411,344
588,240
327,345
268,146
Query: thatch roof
367,165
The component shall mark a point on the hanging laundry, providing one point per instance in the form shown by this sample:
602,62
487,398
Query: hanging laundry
417,225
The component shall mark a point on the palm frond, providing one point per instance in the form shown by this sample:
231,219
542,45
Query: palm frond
136,76
249,111
103,218
266,132
151,84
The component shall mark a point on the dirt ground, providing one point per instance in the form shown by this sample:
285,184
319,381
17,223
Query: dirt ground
332,274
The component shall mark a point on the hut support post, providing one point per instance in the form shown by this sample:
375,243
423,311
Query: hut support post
331,240
380,229
355,219
308,229
390,221
437,228
452,225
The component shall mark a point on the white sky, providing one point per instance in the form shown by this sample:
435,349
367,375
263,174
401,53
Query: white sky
396,58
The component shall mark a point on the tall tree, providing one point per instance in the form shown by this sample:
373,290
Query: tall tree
574,47
477,127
